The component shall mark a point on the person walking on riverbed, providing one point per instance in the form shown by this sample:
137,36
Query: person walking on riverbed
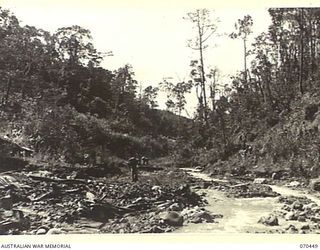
133,164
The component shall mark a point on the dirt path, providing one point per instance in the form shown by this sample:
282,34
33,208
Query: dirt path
241,215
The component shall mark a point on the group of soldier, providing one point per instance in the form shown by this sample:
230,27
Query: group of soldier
133,163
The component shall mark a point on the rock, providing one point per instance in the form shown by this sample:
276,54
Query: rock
297,205
260,181
54,231
291,216
156,189
186,211
203,216
315,219
90,197
293,184
275,176
174,219
206,184
199,168
315,184
309,206
301,218
292,229
154,229
270,220
41,231
100,212
305,227
286,207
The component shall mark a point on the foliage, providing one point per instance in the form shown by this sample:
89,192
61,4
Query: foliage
69,108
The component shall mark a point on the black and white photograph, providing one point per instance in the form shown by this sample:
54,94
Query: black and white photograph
121,117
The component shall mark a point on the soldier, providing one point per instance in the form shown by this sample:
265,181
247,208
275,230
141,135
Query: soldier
133,164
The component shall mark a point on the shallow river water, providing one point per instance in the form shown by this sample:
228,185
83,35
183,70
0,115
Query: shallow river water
240,215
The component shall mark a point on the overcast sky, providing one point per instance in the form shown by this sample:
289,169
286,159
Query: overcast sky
150,35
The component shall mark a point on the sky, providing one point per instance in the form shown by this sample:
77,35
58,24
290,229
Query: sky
150,35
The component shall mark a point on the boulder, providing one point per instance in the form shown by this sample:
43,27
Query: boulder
275,176
297,205
270,220
293,184
42,231
173,219
315,184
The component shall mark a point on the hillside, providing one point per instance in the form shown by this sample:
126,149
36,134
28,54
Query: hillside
291,146
58,101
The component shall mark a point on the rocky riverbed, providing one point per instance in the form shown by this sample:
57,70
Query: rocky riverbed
55,200
250,207
52,200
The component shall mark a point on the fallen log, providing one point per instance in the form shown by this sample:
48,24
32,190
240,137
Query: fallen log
240,185
57,180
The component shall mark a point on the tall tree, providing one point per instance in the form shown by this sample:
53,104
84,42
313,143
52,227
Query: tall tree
123,86
75,46
204,27
243,30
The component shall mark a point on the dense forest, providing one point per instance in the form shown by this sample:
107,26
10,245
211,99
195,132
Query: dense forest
59,101
56,99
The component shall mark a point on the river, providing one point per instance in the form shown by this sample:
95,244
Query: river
241,215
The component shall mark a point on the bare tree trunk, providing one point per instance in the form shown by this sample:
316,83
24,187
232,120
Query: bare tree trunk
203,79
245,61
301,53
